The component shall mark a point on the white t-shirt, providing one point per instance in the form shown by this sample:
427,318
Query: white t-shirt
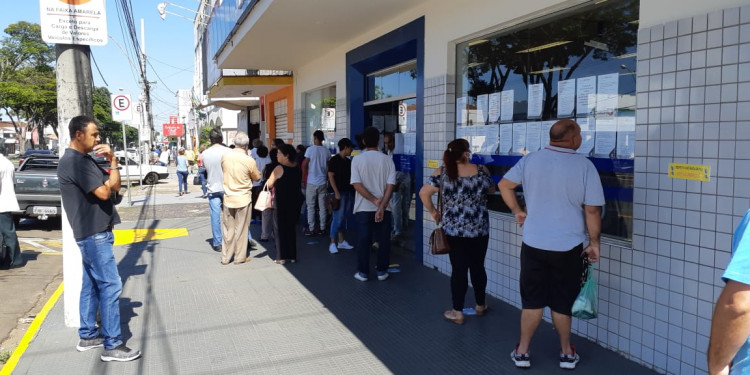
374,170
557,183
317,168
212,163
164,156
8,201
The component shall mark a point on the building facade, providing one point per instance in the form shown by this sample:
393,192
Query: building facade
660,87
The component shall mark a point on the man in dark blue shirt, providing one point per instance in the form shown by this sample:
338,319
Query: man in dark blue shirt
86,191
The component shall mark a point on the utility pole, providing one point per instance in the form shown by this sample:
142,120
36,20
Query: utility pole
75,84
146,89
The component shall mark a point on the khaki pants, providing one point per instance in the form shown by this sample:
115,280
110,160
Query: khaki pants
234,226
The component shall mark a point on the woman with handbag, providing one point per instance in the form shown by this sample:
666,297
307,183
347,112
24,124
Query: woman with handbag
267,225
464,187
285,180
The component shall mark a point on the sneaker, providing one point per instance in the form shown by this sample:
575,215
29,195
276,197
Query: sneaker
120,354
307,232
569,361
522,360
86,344
332,248
217,248
345,245
252,244
360,276
382,276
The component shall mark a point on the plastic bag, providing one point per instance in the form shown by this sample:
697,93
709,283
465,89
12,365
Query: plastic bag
586,304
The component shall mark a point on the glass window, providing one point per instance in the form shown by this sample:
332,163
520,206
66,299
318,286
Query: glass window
395,81
320,114
580,63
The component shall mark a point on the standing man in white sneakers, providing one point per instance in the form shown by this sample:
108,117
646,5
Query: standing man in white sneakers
373,177
339,177
316,169
86,190
564,196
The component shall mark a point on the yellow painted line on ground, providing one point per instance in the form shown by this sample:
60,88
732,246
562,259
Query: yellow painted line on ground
129,236
31,333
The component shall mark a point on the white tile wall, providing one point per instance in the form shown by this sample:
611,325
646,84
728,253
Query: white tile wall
656,297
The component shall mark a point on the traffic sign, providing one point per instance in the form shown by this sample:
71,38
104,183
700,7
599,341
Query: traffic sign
82,22
121,107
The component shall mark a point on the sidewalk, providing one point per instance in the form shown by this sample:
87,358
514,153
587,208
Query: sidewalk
188,314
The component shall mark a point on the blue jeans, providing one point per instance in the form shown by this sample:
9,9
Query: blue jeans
214,204
342,218
366,228
100,289
202,174
182,180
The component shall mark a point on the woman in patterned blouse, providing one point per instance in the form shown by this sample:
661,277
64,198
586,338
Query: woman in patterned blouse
465,222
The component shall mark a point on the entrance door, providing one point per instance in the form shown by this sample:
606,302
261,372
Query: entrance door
396,121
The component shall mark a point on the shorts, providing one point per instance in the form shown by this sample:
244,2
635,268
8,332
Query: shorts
550,278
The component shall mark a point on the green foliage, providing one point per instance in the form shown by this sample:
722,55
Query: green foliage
28,86
4,356
203,139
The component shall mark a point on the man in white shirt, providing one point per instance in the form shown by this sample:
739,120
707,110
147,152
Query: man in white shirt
373,178
316,167
215,183
8,204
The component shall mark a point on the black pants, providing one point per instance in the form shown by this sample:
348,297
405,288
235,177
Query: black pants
9,238
467,256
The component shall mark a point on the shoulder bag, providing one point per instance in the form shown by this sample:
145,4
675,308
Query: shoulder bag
438,239
265,199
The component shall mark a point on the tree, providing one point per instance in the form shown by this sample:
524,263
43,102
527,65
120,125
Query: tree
27,78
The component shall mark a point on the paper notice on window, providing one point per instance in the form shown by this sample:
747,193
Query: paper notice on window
506,138
536,97
606,136
585,96
461,111
506,105
379,123
482,108
588,134
625,137
476,138
519,137
546,125
398,143
566,98
411,121
491,139
462,132
493,111
607,88
533,136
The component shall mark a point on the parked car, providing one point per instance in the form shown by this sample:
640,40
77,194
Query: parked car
147,174
27,153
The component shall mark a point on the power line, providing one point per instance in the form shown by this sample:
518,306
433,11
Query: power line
97,69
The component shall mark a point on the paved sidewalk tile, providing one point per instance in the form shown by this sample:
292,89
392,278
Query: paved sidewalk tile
188,314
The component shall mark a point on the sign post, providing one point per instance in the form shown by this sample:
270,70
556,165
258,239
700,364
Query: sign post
73,25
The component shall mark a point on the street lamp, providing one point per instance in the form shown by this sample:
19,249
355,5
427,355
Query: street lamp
162,9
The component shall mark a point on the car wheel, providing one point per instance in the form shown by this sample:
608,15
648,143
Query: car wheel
151,179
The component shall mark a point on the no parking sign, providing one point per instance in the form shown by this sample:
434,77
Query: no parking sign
122,109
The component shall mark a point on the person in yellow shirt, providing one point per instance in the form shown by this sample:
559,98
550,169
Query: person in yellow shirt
190,155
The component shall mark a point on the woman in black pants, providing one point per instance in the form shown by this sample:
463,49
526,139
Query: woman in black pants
285,181
465,221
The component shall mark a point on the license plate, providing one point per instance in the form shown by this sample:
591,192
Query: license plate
44,210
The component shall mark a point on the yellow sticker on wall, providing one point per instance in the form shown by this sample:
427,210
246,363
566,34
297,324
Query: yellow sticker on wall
693,172
432,164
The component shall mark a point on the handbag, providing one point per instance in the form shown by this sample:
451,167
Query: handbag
438,239
332,204
265,199
586,304
196,180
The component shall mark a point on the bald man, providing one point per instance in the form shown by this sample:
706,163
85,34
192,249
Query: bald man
563,195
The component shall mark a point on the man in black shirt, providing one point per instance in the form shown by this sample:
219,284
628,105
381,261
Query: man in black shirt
86,191
339,175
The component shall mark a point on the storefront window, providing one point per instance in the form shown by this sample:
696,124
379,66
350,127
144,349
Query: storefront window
320,114
393,82
513,85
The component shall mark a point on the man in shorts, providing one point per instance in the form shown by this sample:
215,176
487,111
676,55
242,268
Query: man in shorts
563,196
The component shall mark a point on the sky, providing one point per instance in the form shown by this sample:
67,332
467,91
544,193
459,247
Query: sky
169,49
